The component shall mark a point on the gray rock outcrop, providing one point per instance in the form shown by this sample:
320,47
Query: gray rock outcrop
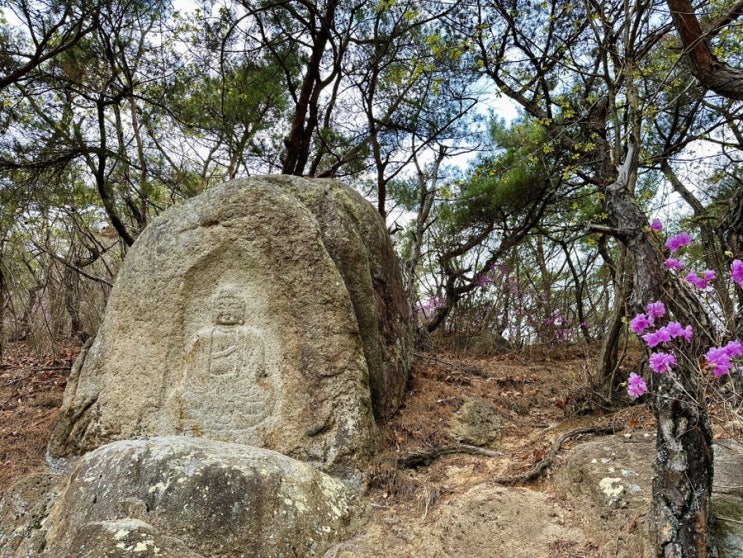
188,497
614,477
266,311
476,423
23,510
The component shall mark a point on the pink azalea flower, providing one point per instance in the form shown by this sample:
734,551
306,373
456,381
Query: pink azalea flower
736,271
674,264
674,329
636,386
662,362
676,242
718,358
710,275
687,333
698,282
734,348
657,337
640,323
656,225
656,310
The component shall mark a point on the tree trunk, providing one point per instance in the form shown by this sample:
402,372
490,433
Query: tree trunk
101,181
72,304
26,323
711,73
305,119
609,356
580,286
682,488
2,304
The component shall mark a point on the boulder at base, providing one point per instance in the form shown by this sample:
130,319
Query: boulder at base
180,496
266,311
613,478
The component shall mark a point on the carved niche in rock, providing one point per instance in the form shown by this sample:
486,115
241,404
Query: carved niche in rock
266,311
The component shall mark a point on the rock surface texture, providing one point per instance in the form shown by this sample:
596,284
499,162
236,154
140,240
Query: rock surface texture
267,311
597,504
615,475
182,496
228,405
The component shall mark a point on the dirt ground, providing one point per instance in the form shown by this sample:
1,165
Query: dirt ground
539,394
31,389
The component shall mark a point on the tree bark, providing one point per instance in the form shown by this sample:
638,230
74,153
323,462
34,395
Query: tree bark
2,303
711,73
682,488
305,118
608,362
101,181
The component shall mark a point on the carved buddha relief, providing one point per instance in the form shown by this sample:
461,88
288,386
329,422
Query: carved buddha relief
225,386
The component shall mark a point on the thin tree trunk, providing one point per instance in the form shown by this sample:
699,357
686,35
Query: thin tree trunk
305,117
682,488
26,325
101,182
580,285
609,355
426,198
72,304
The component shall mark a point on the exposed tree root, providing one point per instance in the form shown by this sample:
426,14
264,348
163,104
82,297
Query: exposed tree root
412,459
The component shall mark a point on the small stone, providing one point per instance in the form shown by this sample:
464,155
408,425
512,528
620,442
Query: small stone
477,423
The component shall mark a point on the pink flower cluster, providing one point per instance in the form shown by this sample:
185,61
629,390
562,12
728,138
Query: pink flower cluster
642,322
736,272
675,243
636,386
660,362
721,358
701,282
674,264
664,334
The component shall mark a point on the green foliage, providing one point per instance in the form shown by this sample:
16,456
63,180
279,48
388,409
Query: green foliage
509,181
230,107
148,106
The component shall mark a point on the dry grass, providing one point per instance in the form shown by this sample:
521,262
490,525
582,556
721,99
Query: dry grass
31,389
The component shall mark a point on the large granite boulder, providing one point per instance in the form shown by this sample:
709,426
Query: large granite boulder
266,311
613,476
186,497
23,510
